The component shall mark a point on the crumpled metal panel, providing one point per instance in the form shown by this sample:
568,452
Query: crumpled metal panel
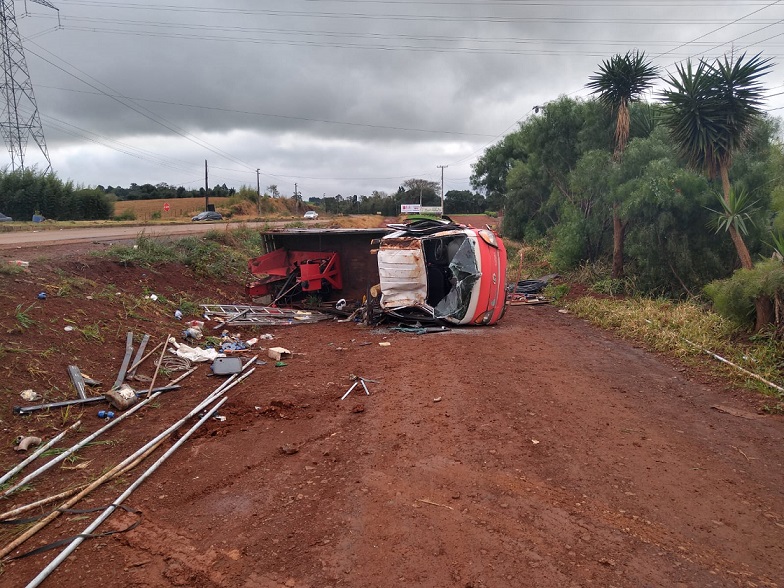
403,276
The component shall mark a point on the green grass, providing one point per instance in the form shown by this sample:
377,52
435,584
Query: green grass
220,254
8,269
23,319
68,285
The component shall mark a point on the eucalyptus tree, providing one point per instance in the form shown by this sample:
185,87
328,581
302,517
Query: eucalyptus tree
619,81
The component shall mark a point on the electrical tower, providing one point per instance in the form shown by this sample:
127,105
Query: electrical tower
20,120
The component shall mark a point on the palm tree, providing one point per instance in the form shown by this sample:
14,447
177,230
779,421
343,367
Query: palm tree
619,81
710,110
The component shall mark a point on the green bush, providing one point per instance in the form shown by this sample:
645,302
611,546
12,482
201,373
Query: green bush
734,297
126,215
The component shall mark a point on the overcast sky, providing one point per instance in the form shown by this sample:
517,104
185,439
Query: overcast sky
337,96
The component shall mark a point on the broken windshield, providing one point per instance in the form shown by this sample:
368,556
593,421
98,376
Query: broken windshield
465,274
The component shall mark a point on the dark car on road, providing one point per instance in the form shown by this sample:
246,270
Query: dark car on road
208,215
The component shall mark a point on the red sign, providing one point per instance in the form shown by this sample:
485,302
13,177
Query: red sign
166,206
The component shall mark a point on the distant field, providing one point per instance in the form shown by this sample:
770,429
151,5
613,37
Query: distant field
178,207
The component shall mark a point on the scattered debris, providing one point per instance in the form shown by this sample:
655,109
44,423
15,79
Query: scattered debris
535,441
121,398
437,399
358,380
126,360
430,502
42,296
527,299
278,353
139,354
193,331
26,442
223,366
178,314
280,364
260,315
195,354
30,396
742,453
69,328
744,414
358,408
385,343
105,414
420,330
289,449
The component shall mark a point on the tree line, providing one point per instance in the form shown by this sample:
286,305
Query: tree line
673,197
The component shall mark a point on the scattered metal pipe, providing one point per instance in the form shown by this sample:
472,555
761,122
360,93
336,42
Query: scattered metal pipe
126,360
22,410
141,361
139,354
354,385
128,463
119,500
19,467
83,491
77,380
183,376
745,371
158,367
74,448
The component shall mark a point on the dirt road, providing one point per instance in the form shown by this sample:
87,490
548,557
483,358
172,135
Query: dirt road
539,453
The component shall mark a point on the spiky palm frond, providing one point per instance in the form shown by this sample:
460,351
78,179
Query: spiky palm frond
734,212
620,80
711,107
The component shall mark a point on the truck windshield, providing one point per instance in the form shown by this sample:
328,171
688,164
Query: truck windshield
464,274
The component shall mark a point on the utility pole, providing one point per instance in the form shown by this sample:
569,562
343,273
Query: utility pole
258,190
206,188
295,191
20,119
442,187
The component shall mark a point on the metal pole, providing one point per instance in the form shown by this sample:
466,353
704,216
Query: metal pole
442,187
76,447
206,188
125,464
38,452
107,513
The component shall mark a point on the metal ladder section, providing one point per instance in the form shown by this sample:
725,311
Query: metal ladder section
260,315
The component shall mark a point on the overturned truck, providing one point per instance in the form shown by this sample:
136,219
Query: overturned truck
428,270
441,270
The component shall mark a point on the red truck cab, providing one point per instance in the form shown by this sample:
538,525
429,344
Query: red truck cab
444,271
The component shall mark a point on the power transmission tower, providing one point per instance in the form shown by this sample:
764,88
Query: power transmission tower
20,120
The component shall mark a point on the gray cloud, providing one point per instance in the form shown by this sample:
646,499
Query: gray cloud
338,96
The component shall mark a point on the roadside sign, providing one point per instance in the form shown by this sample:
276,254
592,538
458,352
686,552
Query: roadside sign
166,206
409,208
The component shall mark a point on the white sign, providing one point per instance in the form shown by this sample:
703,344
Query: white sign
409,208
430,209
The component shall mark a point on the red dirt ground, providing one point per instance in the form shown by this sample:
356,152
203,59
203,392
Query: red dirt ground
557,455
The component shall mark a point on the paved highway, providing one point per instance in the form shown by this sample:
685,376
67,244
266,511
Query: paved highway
38,238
